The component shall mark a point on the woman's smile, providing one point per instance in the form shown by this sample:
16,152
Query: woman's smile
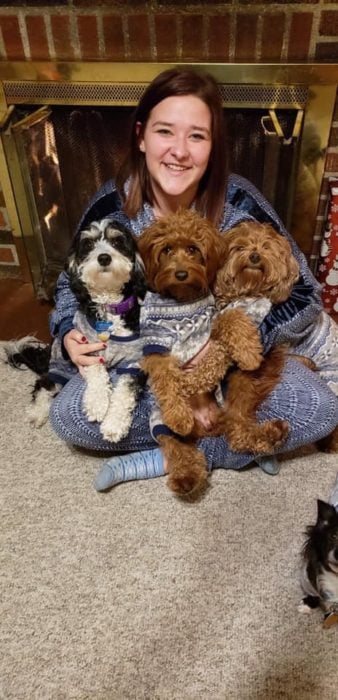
176,168
177,145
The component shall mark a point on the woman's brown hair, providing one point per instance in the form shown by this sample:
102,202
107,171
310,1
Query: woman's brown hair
212,187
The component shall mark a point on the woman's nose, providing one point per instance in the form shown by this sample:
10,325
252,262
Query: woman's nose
179,148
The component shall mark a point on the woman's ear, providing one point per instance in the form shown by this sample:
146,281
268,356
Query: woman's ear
139,134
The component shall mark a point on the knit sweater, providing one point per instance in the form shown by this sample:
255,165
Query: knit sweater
286,322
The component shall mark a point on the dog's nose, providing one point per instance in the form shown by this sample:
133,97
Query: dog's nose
254,257
181,275
104,259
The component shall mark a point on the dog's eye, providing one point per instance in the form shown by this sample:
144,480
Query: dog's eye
117,242
166,250
192,249
87,244
237,248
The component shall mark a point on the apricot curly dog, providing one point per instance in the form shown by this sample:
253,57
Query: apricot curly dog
258,270
182,253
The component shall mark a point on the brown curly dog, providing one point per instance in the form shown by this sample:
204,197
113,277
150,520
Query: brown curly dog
182,253
258,266
258,263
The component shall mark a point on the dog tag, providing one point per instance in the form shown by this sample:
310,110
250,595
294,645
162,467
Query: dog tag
103,330
103,335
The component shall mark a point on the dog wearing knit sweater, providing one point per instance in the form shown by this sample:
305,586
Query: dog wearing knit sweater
258,271
319,573
182,253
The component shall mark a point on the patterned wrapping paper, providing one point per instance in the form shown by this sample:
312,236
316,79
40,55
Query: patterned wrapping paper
328,260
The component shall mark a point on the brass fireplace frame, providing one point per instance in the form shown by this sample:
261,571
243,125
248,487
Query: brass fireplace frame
310,87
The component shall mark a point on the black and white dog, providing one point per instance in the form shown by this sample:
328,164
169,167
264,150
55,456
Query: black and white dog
319,576
107,277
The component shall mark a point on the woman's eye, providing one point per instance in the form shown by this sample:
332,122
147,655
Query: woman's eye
163,132
197,137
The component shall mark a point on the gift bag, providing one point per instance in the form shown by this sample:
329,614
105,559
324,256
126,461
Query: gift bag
328,259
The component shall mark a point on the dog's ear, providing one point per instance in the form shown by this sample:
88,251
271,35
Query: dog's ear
76,285
326,513
289,270
149,246
138,278
214,249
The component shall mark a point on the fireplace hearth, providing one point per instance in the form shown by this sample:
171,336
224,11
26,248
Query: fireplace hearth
63,135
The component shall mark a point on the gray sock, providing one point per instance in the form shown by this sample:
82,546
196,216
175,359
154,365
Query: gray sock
130,467
268,463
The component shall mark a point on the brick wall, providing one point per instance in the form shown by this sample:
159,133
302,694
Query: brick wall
162,30
172,30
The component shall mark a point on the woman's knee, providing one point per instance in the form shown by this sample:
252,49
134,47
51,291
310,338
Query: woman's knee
305,401
71,424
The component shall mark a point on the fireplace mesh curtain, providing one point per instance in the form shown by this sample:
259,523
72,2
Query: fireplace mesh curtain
71,153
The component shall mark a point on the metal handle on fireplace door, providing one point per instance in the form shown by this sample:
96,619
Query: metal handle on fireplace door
17,165
275,139
32,119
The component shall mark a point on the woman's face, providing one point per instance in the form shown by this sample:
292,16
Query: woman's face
177,144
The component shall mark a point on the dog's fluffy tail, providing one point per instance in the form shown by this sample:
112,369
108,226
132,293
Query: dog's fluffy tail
28,353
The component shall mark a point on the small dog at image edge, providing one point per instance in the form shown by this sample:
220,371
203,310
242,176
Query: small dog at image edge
107,277
319,574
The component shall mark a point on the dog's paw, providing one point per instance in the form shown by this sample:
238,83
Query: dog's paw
96,397
250,360
95,405
304,609
277,431
38,411
190,483
118,418
261,438
273,434
113,433
36,417
181,426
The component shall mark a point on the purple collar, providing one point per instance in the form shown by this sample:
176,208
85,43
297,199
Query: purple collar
122,307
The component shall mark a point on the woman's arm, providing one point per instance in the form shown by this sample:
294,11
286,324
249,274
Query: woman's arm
61,319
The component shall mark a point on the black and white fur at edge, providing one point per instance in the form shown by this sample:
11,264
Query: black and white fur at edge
107,277
319,574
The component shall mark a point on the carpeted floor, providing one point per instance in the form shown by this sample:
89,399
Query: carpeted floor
135,595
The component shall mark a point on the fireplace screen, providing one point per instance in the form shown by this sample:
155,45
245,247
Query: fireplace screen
66,153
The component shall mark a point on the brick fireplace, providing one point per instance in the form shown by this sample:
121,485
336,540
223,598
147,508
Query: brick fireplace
54,42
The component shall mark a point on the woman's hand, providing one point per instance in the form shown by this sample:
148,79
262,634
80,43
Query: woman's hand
205,409
78,349
203,405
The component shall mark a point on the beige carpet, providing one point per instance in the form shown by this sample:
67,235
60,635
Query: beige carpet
133,594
